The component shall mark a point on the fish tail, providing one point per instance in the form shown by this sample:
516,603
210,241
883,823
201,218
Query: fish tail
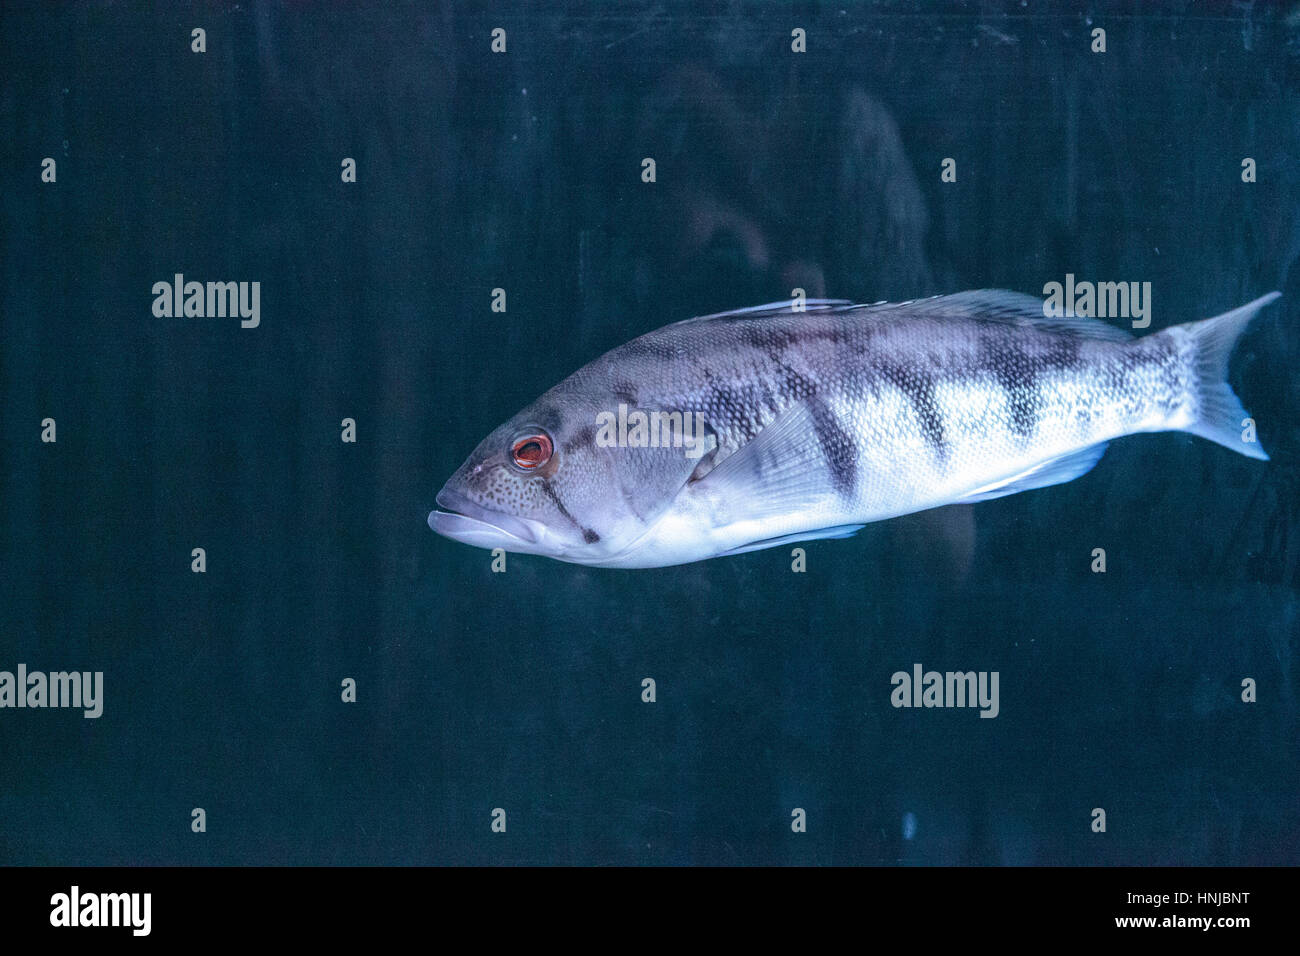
1220,416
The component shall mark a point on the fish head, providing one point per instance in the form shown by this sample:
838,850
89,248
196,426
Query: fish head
556,480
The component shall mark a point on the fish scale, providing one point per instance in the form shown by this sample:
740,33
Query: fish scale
879,371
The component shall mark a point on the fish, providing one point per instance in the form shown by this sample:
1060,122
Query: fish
796,421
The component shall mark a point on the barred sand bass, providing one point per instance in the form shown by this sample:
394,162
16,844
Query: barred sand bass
819,421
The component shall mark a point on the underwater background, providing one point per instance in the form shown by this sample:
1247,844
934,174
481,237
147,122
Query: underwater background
522,690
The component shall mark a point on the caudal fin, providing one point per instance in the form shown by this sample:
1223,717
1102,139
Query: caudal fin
1221,415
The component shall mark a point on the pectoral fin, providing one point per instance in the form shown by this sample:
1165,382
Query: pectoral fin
779,471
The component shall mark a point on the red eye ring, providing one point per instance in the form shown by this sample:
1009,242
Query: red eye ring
532,451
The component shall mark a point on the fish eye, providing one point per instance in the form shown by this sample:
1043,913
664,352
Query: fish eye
531,451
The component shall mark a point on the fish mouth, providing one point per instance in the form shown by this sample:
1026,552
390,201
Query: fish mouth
463,520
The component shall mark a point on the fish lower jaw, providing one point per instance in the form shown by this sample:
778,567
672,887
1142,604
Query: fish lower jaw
514,535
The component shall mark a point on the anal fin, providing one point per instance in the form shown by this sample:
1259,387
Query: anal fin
839,531
1053,472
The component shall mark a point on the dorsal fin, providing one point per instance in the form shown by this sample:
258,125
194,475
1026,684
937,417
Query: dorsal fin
985,305
785,307
1000,305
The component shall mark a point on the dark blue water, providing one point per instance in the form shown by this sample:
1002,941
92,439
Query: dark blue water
522,690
